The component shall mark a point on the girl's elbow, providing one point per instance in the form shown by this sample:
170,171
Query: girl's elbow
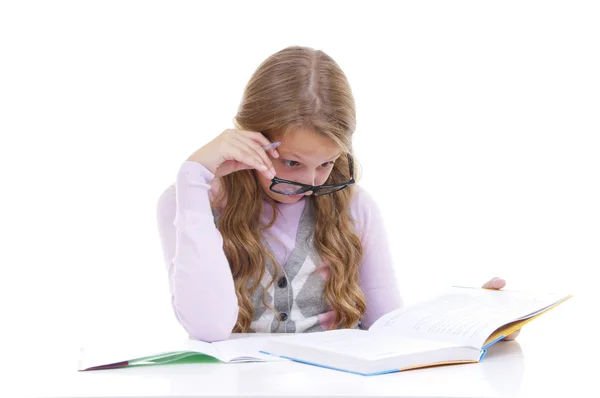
210,329
210,335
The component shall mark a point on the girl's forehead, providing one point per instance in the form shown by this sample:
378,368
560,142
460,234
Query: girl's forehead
308,144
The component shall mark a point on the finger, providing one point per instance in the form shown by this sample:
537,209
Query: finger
273,152
240,153
512,336
494,283
259,151
261,140
242,166
250,158
271,149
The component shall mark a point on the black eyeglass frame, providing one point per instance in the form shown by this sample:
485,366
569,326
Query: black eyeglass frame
315,188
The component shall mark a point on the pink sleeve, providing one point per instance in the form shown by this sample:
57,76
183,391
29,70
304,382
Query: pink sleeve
377,275
200,281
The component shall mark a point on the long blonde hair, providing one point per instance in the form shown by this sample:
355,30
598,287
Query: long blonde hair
297,87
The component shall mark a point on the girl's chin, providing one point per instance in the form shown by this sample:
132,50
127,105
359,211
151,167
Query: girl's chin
289,198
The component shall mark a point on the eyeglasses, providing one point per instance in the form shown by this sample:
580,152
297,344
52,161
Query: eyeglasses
286,187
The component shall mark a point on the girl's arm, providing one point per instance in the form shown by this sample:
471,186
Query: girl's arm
200,281
378,279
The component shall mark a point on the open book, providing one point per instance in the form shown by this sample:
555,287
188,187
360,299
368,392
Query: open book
455,327
129,353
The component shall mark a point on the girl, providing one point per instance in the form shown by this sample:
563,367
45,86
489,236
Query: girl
265,229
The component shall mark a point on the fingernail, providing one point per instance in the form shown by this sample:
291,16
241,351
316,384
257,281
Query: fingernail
275,153
273,171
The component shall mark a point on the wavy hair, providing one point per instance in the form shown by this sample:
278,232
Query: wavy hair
297,87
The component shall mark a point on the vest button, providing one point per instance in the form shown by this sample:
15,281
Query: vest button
282,282
283,316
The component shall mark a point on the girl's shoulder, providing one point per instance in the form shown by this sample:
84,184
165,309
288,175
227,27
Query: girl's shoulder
364,208
362,201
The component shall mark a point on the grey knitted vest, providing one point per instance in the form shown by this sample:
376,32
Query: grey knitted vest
297,296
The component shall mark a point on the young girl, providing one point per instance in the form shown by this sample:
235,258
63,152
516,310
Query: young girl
265,229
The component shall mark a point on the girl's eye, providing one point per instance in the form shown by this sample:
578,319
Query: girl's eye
290,163
294,163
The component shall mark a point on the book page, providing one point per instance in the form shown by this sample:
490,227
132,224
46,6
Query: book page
245,347
364,345
464,316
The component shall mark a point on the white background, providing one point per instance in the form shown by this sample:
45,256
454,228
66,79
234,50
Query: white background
477,133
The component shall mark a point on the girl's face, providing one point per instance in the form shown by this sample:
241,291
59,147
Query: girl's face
305,157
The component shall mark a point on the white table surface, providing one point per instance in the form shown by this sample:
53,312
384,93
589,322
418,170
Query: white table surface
546,360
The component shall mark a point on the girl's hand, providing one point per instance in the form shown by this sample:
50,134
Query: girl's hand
497,284
235,150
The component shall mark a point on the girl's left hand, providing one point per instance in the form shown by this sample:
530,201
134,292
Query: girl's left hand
497,284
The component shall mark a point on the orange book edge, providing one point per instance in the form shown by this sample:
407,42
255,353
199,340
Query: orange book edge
512,327
502,331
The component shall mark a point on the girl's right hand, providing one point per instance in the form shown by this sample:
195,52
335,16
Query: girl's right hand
235,150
